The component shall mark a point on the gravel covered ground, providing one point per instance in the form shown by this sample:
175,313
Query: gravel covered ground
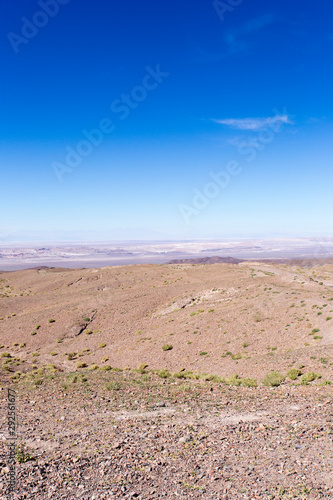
129,435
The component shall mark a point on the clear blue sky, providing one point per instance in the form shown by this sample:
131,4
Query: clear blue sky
178,91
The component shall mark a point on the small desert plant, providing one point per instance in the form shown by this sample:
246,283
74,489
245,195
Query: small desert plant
184,374
71,355
294,373
113,386
309,377
37,327
22,455
249,382
245,344
86,319
167,347
142,368
106,368
51,367
73,378
273,379
16,376
101,345
236,356
93,367
23,344
33,333
234,380
163,373
51,320
81,365
203,353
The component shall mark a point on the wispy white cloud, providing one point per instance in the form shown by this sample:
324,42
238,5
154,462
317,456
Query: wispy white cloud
254,123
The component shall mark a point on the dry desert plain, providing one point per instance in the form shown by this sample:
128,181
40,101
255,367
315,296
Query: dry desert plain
170,381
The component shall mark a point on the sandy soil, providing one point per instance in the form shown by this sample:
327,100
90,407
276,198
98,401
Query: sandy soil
105,412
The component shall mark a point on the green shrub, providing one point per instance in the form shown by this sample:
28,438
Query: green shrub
309,377
234,380
17,375
86,319
273,379
81,365
73,378
203,353
113,386
22,455
167,347
236,356
106,368
184,374
163,373
294,373
51,320
142,368
249,382
101,345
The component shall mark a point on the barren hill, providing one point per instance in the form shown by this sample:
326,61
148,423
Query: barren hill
169,381
220,319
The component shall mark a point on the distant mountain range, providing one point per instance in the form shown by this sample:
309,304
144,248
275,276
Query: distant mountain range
207,260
